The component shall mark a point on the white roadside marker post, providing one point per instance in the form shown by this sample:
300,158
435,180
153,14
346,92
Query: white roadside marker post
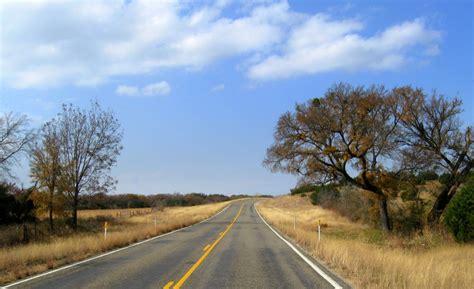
319,230
105,230
154,220
294,219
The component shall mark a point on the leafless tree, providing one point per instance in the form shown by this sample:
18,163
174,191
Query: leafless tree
90,142
14,137
349,134
432,130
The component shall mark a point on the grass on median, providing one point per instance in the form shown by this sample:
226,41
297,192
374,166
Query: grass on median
366,257
23,260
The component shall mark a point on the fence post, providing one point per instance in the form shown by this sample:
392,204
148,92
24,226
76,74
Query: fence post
319,230
105,230
294,217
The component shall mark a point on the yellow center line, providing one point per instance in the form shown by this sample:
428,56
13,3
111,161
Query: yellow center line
207,246
206,253
168,285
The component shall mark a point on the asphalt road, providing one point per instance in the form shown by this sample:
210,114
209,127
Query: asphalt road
234,249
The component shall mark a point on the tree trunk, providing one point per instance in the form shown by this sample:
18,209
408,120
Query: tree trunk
26,238
383,208
384,218
50,208
440,204
74,211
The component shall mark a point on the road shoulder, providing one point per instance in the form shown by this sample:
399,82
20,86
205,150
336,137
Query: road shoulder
338,280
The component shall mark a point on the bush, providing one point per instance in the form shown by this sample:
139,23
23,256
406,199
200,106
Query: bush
305,188
314,198
424,176
409,218
460,214
409,193
323,193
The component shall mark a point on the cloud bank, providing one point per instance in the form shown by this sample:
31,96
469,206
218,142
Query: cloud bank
152,89
87,42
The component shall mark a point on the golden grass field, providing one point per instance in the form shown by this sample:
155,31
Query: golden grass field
365,257
24,260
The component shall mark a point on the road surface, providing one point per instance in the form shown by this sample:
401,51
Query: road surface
234,249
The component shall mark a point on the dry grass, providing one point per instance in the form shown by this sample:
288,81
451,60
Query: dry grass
21,261
367,258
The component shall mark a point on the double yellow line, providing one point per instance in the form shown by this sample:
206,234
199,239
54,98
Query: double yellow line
207,250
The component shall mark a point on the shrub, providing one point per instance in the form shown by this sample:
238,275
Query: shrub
410,193
460,214
324,193
424,176
304,188
314,198
408,219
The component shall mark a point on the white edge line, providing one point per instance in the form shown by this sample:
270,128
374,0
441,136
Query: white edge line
308,261
109,253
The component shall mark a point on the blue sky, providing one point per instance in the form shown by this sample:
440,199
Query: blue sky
198,86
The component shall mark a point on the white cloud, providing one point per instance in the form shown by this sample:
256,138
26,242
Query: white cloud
127,90
321,44
218,87
152,89
159,88
87,42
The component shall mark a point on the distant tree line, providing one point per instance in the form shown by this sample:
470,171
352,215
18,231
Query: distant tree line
122,201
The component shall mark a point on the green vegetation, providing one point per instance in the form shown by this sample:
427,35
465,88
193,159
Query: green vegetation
304,188
460,214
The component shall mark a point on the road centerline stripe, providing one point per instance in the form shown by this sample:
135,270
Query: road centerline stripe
207,247
206,253
168,285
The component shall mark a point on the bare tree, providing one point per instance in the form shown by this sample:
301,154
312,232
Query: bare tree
349,134
89,146
45,163
432,129
14,136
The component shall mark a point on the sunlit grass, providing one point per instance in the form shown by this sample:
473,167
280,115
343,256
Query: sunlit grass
365,257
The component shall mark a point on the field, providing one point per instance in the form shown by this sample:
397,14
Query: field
367,258
124,227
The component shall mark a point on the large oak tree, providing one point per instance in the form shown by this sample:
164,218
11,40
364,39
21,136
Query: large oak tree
349,134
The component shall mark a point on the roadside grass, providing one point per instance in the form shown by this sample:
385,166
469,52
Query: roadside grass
20,261
365,256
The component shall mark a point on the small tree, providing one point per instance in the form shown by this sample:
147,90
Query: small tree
45,164
14,136
16,207
350,127
7,202
435,137
89,146
460,214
